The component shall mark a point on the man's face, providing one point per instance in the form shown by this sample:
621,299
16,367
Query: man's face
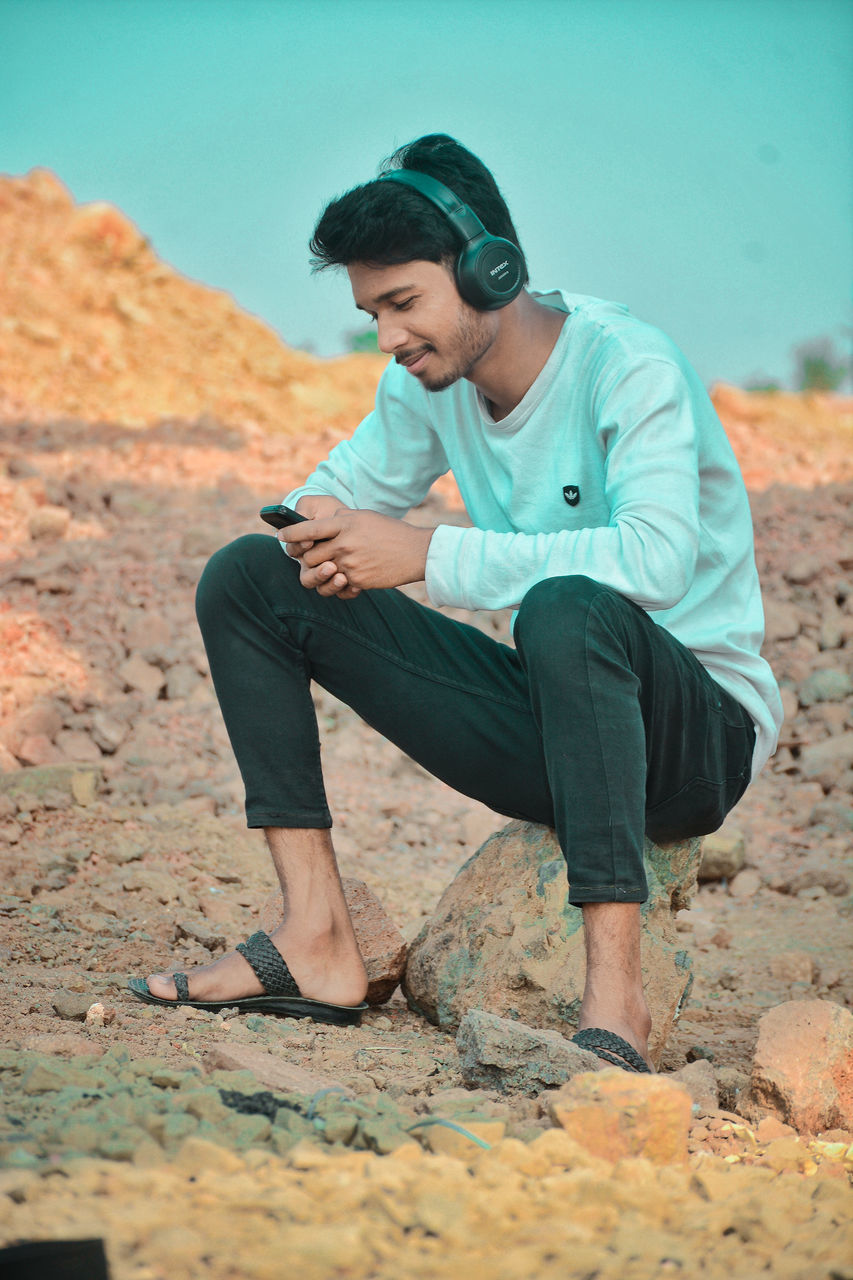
422,321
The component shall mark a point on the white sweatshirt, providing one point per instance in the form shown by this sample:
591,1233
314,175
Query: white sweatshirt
614,465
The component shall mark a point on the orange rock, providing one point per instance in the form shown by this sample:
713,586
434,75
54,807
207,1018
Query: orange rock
614,1114
803,1066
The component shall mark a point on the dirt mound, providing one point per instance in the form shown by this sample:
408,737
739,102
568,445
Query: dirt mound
781,437
96,327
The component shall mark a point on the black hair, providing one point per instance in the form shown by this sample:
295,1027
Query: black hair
385,223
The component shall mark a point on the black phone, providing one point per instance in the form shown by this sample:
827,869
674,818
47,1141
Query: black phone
280,516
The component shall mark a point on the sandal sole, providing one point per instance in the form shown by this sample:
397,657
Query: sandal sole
283,1006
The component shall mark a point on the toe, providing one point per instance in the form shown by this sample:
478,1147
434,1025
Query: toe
162,985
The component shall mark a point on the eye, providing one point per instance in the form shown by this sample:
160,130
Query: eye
405,305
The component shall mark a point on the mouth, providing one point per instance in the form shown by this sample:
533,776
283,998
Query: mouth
414,362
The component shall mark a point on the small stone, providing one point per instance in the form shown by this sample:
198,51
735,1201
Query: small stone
49,523
107,731
270,1069
700,1082
804,568
75,745
37,749
141,675
72,1005
769,1128
723,856
448,1142
826,685
745,884
504,1054
793,966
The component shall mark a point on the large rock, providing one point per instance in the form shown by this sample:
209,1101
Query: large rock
803,1065
505,940
616,1115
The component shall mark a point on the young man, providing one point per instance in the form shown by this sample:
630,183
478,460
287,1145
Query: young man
606,505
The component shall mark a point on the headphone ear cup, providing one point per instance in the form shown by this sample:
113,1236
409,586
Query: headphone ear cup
490,272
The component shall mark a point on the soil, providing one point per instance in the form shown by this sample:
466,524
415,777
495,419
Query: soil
128,852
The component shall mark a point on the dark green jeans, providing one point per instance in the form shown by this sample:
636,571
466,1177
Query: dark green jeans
599,723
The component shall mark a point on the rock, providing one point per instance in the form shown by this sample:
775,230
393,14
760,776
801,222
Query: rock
732,1085
781,621
30,787
505,940
382,945
834,814
43,716
448,1142
269,1069
199,932
72,1005
723,856
826,685
107,731
615,1115
832,882
37,749
699,1080
181,680
146,632
770,1128
802,1070
745,884
803,568
49,522
793,966
142,675
827,761
500,1053
8,762
74,745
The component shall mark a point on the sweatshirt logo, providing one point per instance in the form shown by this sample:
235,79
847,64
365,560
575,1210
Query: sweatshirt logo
572,494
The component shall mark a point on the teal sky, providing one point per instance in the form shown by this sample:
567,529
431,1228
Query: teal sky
692,158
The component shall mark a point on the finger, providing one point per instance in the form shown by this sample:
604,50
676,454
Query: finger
334,586
294,549
317,575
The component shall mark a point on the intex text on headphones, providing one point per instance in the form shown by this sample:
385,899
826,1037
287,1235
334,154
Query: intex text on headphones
490,271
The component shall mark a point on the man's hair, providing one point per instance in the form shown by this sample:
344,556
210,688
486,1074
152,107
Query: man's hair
385,223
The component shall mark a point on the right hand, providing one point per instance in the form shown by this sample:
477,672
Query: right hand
315,507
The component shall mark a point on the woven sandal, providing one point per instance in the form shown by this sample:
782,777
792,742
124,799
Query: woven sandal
611,1048
282,994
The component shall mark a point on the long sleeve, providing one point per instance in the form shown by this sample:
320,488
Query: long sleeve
645,427
391,460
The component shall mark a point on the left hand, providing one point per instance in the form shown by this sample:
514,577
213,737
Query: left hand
353,551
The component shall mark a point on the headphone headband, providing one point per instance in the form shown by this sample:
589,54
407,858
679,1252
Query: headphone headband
490,271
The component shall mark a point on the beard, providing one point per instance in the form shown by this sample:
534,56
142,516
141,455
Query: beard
467,345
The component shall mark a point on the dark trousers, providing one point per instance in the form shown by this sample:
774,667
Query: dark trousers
599,723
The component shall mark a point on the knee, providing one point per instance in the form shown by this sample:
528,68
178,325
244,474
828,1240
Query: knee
556,602
232,570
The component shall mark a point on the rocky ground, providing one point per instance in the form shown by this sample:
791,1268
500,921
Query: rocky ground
199,1144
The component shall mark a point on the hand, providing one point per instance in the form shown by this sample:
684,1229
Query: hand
351,551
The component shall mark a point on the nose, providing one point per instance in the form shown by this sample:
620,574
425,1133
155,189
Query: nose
391,335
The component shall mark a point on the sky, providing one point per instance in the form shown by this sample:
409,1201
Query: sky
691,158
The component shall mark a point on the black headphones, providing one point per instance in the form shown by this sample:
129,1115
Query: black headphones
490,271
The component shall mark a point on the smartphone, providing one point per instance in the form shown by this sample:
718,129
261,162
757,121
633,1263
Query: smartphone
280,517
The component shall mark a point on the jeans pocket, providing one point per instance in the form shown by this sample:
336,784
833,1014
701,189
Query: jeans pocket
697,809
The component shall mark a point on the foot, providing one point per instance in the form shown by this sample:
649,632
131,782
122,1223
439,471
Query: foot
633,1023
325,967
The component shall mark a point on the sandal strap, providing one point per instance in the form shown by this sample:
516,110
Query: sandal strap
181,985
606,1044
270,969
